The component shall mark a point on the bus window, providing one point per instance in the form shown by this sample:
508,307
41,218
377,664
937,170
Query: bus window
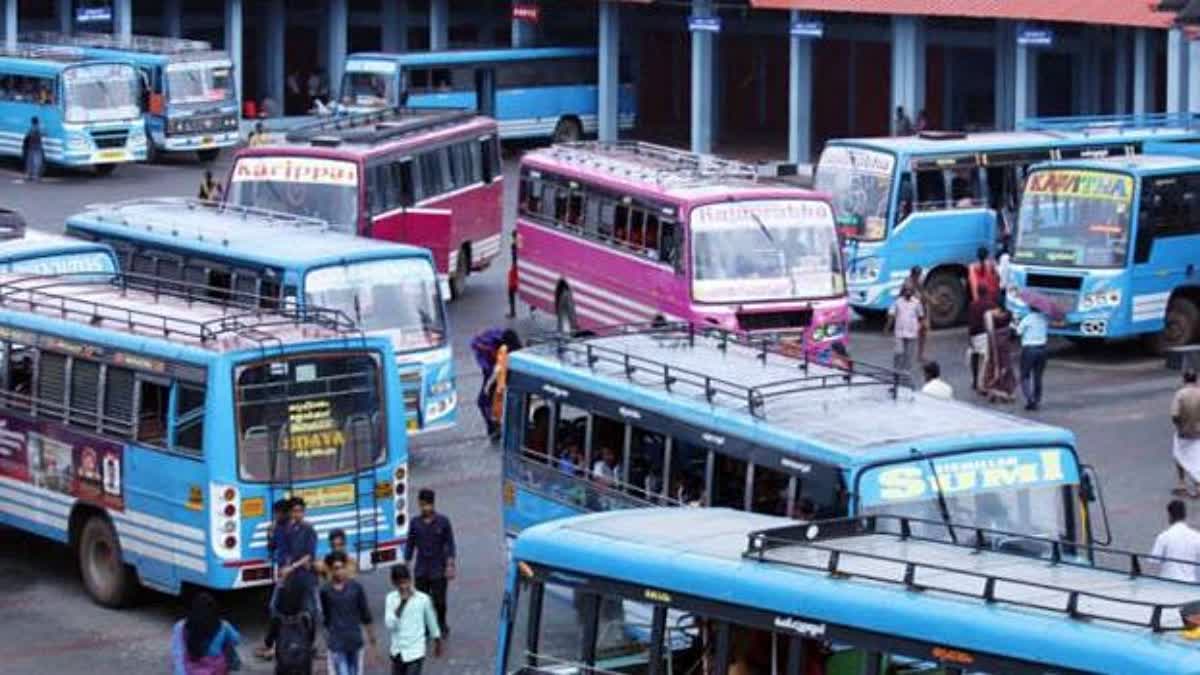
536,440
575,208
189,419
570,441
620,230
966,190
118,402
647,457
729,482
687,474
152,413
606,223
143,263
637,225
490,161
668,244
619,644
51,384
560,205
531,195
402,183
85,393
771,491
931,190
20,375
608,443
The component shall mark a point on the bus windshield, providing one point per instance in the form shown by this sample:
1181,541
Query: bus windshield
397,296
1017,490
1074,218
101,92
368,89
309,416
305,186
860,181
199,82
764,250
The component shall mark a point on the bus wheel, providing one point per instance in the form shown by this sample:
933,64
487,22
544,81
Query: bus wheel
209,154
564,311
105,169
1179,328
947,299
458,278
567,130
107,579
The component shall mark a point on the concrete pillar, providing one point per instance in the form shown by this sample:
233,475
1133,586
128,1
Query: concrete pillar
233,43
524,34
65,11
800,88
10,24
1005,74
1192,81
1121,72
439,25
1024,84
1177,71
273,58
908,66
702,81
338,18
608,112
122,20
172,18
395,26
1142,75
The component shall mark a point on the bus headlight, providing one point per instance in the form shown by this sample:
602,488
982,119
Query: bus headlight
867,272
1100,300
77,143
440,407
826,332
441,387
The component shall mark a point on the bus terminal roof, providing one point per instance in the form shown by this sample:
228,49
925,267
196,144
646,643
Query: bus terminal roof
470,56
853,420
707,553
228,230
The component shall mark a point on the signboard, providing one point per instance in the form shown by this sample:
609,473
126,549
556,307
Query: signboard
1084,184
976,472
808,28
312,431
296,170
51,458
704,24
93,14
526,11
1035,37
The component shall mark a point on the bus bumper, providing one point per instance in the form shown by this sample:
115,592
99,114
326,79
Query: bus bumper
877,296
111,156
198,142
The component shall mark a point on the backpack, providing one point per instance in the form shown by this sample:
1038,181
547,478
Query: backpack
294,646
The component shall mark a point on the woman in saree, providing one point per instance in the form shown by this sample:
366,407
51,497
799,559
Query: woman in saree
999,379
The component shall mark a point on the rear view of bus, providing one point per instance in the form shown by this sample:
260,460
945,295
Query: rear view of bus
613,233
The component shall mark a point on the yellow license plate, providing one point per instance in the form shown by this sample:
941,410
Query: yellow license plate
327,495
111,154
412,425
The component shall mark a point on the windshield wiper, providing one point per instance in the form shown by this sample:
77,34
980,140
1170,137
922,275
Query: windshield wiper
787,264
941,495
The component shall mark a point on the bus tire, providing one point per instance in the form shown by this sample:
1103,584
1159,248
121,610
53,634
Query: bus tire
105,169
105,575
564,312
458,276
208,154
1179,326
568,130
947,299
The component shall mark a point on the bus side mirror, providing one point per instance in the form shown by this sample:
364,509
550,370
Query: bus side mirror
1087,489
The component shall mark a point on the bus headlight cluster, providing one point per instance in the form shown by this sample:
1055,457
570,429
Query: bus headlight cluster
440,407
865,272
441,387
828,331
78,143
399,490
1100,299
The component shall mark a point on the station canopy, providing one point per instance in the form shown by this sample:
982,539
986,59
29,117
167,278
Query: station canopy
1137,13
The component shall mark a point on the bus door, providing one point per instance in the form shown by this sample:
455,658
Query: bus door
485,91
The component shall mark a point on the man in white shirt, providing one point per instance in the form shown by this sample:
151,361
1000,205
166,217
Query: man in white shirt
934,384
411,622
1179,542
607,470
905,317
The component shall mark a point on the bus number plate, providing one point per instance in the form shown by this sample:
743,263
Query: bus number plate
111,155
327,495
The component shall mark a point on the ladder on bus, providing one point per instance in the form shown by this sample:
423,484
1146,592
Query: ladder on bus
366,526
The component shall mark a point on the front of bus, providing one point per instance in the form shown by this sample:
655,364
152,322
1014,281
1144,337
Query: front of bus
321,420
102,120
398,298
768,262
859,180
199,110
1073,239
311,182
370,83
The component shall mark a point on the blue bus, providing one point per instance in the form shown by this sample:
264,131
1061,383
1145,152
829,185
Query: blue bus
531,93
723,591
672,415
33,252
389,289
189,89
934,199
1113,244
87,108
152,430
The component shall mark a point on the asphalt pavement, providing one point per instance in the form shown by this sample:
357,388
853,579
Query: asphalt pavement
1114,398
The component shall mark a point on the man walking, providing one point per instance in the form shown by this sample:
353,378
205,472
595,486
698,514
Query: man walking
1185,415
347,615
1180,544
31,150
904,318
1032,329
431,540
409,617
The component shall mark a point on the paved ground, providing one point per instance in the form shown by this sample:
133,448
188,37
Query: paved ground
1114,399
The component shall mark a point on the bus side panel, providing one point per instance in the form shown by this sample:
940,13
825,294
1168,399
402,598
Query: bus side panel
934,238
1153,283
35,495
162,529
443,99
531,508
423,226
532,112
478,218
14,122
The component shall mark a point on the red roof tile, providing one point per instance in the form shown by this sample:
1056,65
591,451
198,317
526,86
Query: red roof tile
1107,12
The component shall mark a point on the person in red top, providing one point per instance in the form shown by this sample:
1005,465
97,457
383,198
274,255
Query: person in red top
512,281
982,274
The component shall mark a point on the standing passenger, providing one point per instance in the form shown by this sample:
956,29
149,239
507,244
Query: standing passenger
431,541
31,150
1178,542
347,615
1185,416
410,621
203,642
905,317
1033,330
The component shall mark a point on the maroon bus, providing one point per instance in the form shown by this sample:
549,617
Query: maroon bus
425,177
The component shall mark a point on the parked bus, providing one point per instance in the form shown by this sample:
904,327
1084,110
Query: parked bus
430,178
390,290
189,89
1113,244
32,252
675,415
725,591
628,232
152,430
531,93
87,108
934,199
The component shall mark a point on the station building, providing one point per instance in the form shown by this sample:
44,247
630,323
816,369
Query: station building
782,74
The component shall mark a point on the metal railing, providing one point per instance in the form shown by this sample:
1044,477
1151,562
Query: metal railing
1085,123
148,44
376,126
660,164
110,212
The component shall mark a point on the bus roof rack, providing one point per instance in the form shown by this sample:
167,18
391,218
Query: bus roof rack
583,349
661,164
883,548
45,52
376,126
1110,123
147,44
55,295
111,213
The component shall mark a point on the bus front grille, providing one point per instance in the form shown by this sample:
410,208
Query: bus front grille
410,383
110,139
797,318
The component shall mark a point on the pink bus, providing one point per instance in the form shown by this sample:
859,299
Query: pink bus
612,233
425,177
